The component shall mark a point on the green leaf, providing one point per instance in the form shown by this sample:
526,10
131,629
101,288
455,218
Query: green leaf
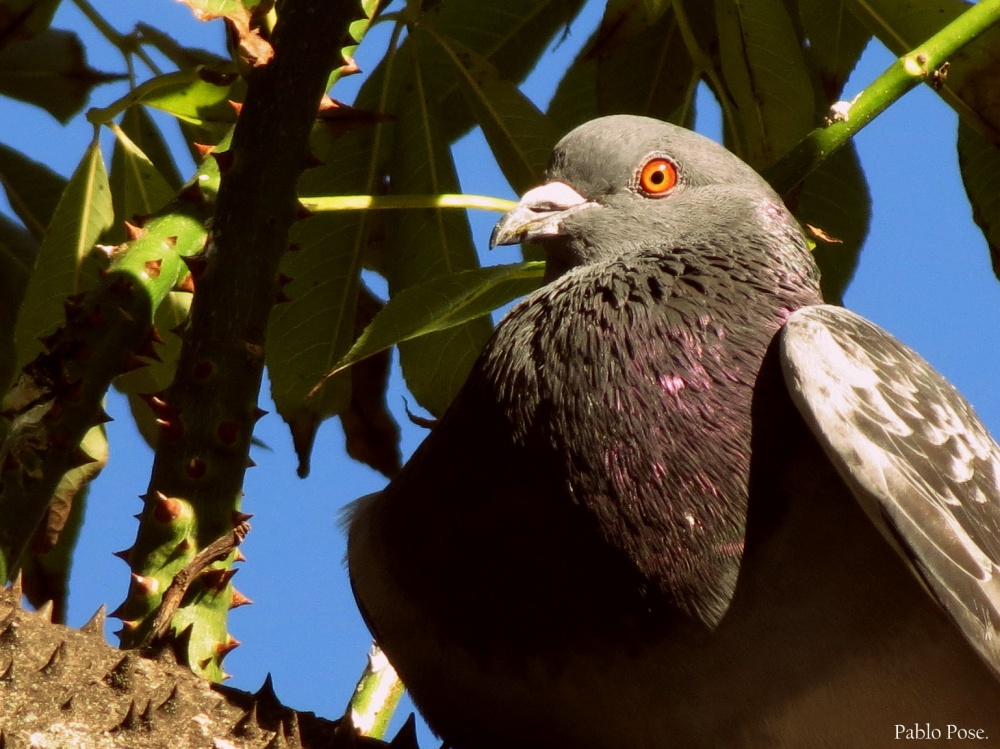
47,567
767,77
835,200
83,214
137,187
979,162
646,71
512,35
33,189
51,72
836,41
196,101
426,244
24,19
520,136
442,303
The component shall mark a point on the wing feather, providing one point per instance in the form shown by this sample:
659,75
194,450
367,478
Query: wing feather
914,453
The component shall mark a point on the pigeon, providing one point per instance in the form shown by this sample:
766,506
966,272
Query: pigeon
679,501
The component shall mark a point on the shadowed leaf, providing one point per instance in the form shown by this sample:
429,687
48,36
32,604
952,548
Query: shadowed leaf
835,200
979,162
33,189
51,72
767,77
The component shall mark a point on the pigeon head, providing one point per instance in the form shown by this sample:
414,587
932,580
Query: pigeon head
619,184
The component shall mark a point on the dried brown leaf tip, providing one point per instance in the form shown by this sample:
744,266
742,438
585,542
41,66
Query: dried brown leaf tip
818,233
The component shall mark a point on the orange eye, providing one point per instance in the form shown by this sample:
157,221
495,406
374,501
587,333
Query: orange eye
657,177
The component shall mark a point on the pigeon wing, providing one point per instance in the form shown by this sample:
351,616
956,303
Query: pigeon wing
914,454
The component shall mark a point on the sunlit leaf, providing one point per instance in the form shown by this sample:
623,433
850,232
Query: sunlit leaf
51,72
137,187
195,101
83,214
442,303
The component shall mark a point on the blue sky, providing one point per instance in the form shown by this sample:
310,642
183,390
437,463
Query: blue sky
924,275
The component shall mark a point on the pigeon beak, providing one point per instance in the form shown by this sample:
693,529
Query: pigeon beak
539,214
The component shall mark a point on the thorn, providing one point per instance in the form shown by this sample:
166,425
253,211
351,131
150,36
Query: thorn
147,350
147,716
101,417
224,159
193,193
266,697
407,735
281,297
302,213
169,705
133,232
8,628
56,662
45,611
129,626
277,742
240,517
130,722
125,555
167,509
238,599
120,677
248,727
313,161
95,624
153,267
171,430
154,335
292,730
196,468
203,149
224,649
237,106
171,241
68,704
186,284
132,363
195,263
80,457
239,556
49,341
258,413
17,589
8,676
143,585
251,463
217,580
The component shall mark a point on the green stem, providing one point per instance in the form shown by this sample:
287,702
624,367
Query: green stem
919,65
123,42
388,202
375,697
